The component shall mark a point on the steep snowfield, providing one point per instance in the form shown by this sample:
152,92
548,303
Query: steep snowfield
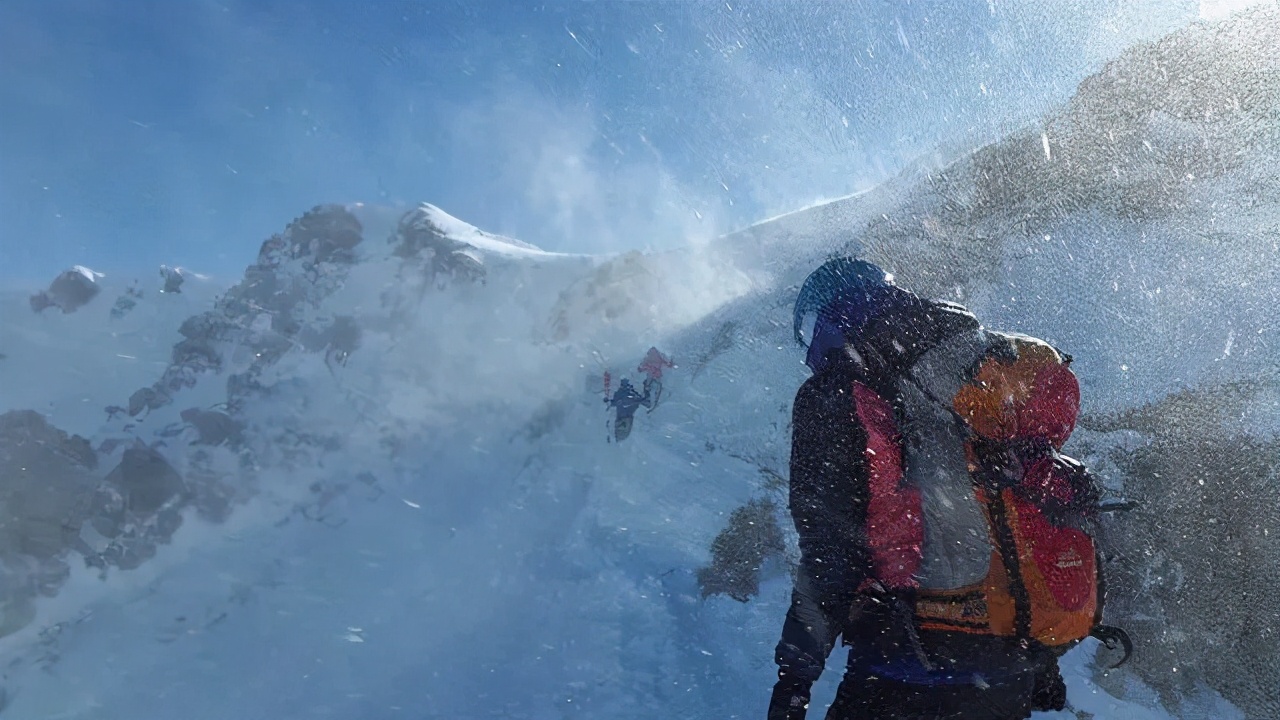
454,533
396,494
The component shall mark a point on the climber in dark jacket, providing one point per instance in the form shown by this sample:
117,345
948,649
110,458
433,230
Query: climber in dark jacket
626,401
869,330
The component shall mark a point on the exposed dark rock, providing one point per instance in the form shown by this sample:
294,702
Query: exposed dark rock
48,484
46,496
147,398
126,302
146,481
260,285
70,291
316,247
1197,564
110,516
204,327
417,238
338,339
327,233
198,353
137,507
128,552
173,279
213,427
740,552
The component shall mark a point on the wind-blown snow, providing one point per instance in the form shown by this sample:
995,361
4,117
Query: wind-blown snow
425,518
456,537
455,228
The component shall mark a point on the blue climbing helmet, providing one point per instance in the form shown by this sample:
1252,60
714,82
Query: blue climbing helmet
843,294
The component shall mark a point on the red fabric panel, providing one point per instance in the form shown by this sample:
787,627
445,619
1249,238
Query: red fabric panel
1043,484
1050,411
895,519
1064,556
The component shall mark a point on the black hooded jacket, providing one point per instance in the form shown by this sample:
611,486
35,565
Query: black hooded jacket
829,484
829,493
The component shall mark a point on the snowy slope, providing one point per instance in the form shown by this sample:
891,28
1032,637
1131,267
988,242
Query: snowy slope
495,535
441,509
428,418
418,514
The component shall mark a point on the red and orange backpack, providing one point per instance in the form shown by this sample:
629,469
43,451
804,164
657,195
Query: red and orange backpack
972,506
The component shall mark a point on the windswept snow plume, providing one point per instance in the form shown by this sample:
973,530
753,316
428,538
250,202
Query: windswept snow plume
375,477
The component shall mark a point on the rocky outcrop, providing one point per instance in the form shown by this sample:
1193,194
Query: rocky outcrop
1196,567
420,241
136,508
295,270
213,427
48,478
740,552
70,291
48,481
126,302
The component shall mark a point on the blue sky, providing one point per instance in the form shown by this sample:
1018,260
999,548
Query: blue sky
186,131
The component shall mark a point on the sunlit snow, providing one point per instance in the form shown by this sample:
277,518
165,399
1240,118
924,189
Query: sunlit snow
389,485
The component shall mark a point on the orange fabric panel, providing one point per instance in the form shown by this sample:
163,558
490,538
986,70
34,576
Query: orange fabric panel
1057,618
1059,572
1036,395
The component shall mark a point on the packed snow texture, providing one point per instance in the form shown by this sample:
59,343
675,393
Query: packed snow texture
373,479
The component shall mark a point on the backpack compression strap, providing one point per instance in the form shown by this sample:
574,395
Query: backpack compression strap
1002,461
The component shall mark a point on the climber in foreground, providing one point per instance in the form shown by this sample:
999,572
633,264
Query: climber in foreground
941,532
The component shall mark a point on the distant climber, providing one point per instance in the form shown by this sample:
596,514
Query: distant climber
652,365
70,291
626,401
